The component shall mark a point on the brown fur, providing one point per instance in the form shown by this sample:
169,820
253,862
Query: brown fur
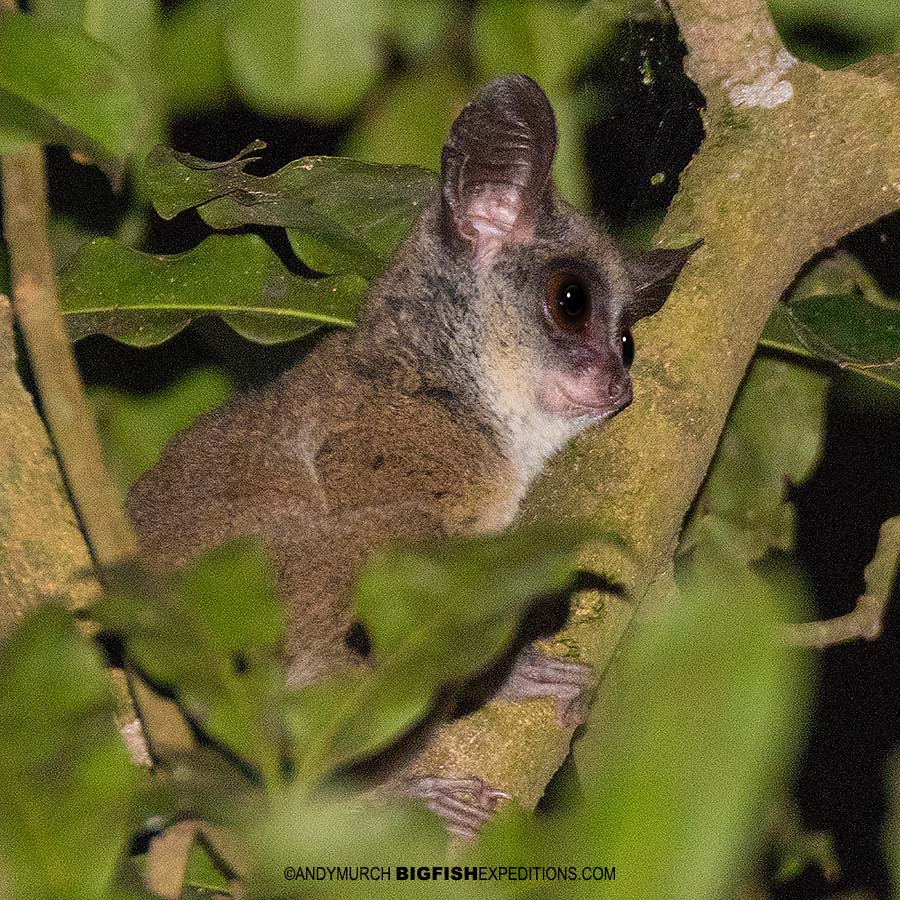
427,420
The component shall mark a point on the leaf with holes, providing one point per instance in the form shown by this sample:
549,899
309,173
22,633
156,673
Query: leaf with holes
343,216
142,299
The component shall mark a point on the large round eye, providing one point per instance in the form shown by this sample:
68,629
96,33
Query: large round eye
568,301
627,348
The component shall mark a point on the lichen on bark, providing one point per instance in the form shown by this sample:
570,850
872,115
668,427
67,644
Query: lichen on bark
42,550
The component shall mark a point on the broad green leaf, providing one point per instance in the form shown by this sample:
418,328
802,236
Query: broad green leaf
210,635
60,85
699,743
178,181
410,120
305,57
135,428
349,716
125,26
773,439
343,216
129,28
850,331
689,750
435,614
418,26
68,782
547,40
142,299
192,55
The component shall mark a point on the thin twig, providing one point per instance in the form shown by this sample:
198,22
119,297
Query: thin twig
865,621
867,618
65,408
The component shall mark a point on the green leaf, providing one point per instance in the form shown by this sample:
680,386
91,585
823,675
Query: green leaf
435,614
142,299
60,85
298,831
689,750
410,120
134,428
192,55
129,28
211,635
305,57
550,42
773,439
68,782
418,26
343,216
850,331
710,715
125,26
544,39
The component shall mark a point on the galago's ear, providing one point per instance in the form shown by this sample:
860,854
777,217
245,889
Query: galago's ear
495,168
653,274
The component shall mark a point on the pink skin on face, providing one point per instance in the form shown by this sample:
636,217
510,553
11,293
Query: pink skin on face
590,392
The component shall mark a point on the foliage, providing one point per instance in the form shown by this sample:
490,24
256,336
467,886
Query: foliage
435,616
69,788
86,100
143,299
209,637
699,739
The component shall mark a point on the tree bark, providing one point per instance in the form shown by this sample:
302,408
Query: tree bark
794,158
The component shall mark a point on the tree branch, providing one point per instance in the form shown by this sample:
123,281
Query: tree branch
867,618
784,172
42,550
36,308
736,53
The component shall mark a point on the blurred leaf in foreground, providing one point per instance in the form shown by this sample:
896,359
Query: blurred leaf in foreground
58,86
142,299
551,42
192,60
435,615
410,120
305,57
690,748
67,781
211,635
128,28
298,832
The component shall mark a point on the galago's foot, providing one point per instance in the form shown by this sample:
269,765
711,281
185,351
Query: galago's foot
465,804
571,684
